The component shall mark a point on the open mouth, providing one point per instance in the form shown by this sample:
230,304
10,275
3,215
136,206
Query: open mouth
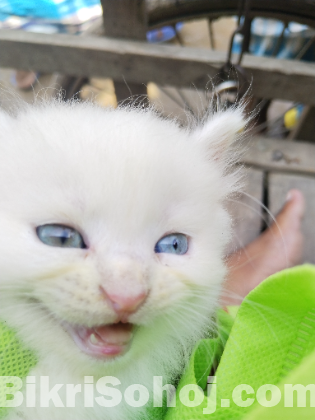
105,341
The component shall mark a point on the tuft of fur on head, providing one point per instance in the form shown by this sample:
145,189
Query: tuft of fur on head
124,179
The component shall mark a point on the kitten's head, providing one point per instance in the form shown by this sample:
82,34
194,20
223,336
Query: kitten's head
113,228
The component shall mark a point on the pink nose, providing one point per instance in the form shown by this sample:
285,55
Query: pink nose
126,304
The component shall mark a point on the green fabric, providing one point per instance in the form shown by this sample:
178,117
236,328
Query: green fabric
273,332
15,360
271,341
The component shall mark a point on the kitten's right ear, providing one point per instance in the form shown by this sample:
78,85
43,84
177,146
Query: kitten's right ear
220,131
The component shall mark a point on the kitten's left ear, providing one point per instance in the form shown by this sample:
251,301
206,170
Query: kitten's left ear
220,131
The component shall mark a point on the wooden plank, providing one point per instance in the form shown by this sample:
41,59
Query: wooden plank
279,185
246,212
280,155
125,18
140,62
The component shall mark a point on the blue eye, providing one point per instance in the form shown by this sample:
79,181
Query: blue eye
175,243
61,236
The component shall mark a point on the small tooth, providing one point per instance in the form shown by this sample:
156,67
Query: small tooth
93,339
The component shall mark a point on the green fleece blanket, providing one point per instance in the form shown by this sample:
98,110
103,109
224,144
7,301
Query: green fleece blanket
265,359
269,353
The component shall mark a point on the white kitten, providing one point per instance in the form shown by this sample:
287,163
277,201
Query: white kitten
113,231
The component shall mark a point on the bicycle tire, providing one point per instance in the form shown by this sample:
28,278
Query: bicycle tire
161,12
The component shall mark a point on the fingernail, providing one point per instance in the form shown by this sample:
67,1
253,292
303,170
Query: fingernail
289,196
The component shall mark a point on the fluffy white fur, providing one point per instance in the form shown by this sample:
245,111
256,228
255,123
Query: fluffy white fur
123,178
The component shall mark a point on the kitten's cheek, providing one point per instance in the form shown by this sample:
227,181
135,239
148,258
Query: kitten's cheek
169,260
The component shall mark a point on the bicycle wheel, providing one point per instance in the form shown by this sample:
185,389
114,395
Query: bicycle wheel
161,12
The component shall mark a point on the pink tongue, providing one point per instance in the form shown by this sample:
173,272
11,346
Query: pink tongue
115,333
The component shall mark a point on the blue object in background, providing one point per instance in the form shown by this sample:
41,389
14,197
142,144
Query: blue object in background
43,9
166,33
50,16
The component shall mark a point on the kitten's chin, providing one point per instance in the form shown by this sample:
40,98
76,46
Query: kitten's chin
102,342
